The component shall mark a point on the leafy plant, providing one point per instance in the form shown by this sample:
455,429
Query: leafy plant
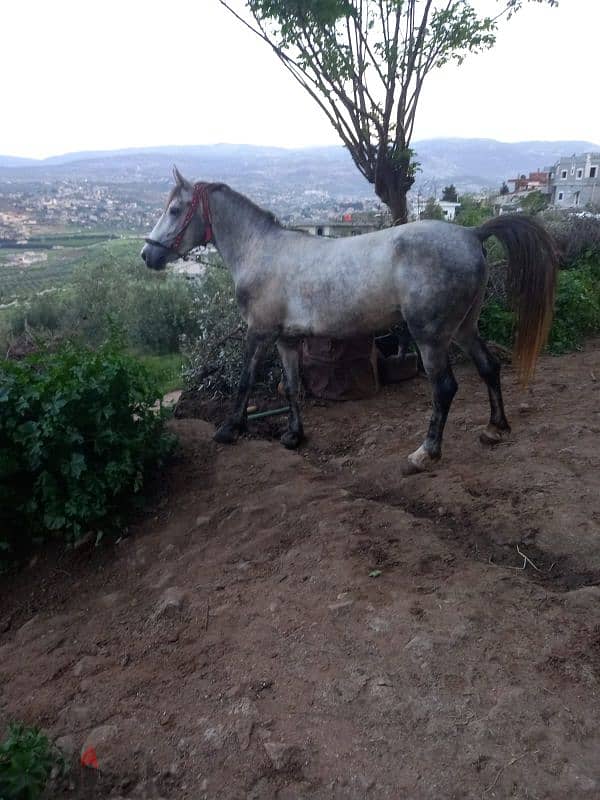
27,759
576,311
534,202
432,210
77,438
577,308
472,212
496,323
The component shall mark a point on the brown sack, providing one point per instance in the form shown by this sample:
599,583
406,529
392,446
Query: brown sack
339,369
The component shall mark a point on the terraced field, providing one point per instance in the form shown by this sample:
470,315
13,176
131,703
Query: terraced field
51,262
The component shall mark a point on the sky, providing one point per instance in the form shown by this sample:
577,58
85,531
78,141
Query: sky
107,74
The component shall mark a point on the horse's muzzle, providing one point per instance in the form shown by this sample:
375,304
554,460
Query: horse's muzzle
154,257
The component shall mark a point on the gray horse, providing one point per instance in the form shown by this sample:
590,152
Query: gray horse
432,275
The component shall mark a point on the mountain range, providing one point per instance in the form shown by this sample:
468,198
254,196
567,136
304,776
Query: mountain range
471,164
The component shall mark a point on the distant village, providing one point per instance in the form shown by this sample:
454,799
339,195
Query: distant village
573,182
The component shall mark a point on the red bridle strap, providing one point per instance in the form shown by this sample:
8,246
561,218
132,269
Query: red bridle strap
199,195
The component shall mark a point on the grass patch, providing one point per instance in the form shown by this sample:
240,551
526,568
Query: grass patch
166,371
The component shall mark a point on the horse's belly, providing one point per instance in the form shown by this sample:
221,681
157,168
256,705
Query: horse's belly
342,318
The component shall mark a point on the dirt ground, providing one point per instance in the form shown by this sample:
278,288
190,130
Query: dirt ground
314,625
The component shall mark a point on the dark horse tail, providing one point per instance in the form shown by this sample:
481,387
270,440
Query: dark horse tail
532,269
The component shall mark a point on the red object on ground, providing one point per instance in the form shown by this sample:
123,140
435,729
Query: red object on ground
89,758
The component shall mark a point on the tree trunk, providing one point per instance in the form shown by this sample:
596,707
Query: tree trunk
393,179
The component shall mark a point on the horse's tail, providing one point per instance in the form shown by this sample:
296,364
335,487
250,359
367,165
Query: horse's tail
532,269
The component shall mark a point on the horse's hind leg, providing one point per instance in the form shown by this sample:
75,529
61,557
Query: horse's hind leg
288,351
444,386
229,430
488,367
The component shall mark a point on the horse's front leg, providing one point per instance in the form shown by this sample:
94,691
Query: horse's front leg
288,352
236,422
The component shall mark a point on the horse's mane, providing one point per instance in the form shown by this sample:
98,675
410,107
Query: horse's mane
236,198
267,218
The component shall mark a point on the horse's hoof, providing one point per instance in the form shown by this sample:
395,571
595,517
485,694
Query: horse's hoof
226,435
291,439
492,435
419,461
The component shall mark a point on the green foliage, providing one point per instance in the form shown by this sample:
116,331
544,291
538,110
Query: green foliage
432,210
576,312
504,190
27,759
77,439
167,370
450,195
153,310
534,202
577,308
472,211
496,323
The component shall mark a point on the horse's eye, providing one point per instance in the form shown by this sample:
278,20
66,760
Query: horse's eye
174,210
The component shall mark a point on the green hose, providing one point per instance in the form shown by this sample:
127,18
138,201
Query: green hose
273,412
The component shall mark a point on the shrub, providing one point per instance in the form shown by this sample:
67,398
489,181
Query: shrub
77,438
472,212
578,237
496,323
27,759
432,210
577,308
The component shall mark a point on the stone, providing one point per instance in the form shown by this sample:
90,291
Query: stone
170,604
74,718
27,631
420,644
111,600
281,754
341,605
214,735
66,744
102,740
88,665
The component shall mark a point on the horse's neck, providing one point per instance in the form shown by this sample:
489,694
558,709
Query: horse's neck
236,224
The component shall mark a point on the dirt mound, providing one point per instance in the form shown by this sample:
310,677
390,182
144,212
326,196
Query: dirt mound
314,625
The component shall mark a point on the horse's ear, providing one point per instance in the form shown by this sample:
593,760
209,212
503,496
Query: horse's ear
179,179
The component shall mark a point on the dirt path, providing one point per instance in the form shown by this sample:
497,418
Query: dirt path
313,625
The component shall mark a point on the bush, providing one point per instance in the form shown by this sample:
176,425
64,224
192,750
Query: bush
576,310
472,212
77,438
578,237
27,759
496,323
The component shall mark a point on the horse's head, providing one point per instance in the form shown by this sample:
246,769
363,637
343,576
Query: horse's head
180,227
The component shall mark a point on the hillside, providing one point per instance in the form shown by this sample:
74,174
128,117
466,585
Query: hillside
471,164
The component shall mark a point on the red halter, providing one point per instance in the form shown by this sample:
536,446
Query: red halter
199,196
